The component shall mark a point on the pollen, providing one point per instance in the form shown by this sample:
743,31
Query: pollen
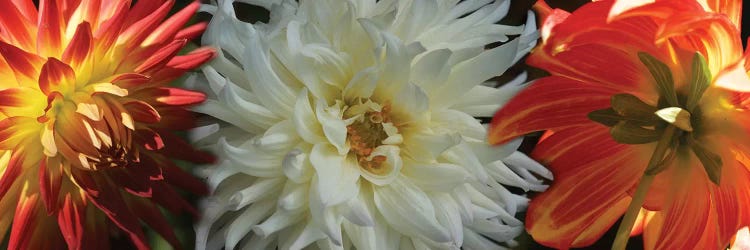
368,131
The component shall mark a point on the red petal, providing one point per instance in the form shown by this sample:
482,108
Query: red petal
192,31
152,216
183,180
166,197
79,47
71,219
109,30
175,147
176,118
25,65
25,222
161,57
169,96
193,59
142,112
15,28
571,213
51,28
550,103
139,185
167,30
131,80
12,171
149,139
110,201
50,179
54,75
143,17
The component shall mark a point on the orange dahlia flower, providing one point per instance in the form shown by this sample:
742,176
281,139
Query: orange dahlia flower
647,115
86,118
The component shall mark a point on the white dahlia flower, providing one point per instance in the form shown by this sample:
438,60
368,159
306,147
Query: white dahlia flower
350,124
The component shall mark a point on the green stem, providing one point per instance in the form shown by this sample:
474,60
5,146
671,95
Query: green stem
626,226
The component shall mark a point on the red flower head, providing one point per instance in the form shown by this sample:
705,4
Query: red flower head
86,118
647,115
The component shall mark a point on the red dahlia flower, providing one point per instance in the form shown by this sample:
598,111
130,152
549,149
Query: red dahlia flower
86,118
647,113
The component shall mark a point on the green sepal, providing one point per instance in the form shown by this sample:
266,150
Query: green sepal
700,81
663,77
711,162
607,117
633,109
630,133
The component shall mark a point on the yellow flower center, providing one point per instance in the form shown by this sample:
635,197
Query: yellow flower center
370,129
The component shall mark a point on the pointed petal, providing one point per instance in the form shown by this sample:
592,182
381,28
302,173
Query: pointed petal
25,65
51,28
550,103
556,219
79,46
50,180
408,209
167,29
56,75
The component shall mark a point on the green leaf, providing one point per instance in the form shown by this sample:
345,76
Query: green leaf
630,133
663,77
607,117
711,162
633,109
700,81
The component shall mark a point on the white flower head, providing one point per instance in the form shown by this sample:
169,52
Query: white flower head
350,124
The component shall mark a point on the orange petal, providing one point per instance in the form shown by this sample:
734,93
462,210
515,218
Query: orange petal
50,180
56,76
571,213
730,8
686,214
170,96
15,28
22,101
550,103
79,47
25,222
51,28
14,131
25,65
72,220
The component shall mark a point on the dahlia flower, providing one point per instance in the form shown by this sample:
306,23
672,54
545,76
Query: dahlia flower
86,118
349,123
647,115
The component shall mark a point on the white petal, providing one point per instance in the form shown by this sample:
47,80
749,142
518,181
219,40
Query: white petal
439,177
334,127
408,209
305,120
337,180
302,236
358,212
452,120
274,94
448,215
426,147
430,70
278,221
296,166
496,231
519,159
242,224
325,217
260,189
392,165
362,84
411,99
472,72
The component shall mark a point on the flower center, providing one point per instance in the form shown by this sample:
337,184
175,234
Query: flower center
370,129
114,156
633,121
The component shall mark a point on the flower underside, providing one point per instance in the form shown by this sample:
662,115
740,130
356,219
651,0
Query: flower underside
633,121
